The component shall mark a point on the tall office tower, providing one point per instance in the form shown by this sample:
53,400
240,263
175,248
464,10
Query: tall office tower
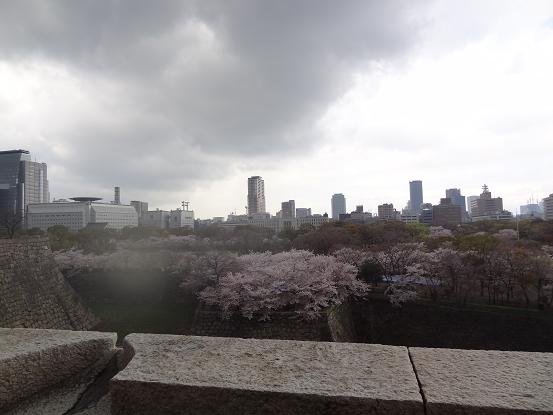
22,182
486,205
117,195
415,196
289,209
256,195
456,198
548,207
470,202
338,205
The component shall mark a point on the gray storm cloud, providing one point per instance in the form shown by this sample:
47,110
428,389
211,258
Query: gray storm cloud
198,85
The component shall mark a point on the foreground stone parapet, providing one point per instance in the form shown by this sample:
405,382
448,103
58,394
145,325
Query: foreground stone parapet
214,375
35,363
484,382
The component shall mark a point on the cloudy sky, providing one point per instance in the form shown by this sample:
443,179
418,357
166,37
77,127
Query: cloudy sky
183,100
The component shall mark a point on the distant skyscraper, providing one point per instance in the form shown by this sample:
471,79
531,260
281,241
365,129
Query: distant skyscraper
289,209
22,182
456,198
117,195
386,211
426,215
256,195
415,196
486,205
548,207
446,213
338,204
470,202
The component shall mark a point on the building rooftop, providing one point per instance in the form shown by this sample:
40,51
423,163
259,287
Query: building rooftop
85,199
15,151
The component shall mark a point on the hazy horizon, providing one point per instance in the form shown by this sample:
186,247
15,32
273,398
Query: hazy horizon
184,100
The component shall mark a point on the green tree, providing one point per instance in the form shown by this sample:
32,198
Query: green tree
60,238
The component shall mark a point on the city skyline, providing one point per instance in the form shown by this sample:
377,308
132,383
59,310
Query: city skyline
257,198
367,97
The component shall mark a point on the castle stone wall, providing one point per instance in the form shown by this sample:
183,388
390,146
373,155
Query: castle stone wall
334,325
33,292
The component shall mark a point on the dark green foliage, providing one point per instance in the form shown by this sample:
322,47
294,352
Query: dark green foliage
371,272
60,238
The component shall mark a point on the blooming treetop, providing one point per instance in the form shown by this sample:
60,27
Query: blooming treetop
298,280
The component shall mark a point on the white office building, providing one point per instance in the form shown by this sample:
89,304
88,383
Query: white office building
277,224
181,219
80,213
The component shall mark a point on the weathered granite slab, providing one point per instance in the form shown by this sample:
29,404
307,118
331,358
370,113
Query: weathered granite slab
215,375
49,367
485,382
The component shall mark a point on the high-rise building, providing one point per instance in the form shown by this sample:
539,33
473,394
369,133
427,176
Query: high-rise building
415,196
470,202
289,209
117,195
426,214
22,182
446,213
303,212
456,198
338,205
256,195
486,205
386,211
548,207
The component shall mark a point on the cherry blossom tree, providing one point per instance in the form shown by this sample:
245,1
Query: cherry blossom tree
351,256
441,271
440,232
395,259
294,280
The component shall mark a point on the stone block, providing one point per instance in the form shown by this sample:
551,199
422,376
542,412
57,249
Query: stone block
214,375
484,382
52,363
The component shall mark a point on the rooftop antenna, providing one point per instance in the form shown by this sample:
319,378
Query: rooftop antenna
185,205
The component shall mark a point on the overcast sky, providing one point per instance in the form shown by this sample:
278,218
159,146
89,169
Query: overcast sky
177,100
